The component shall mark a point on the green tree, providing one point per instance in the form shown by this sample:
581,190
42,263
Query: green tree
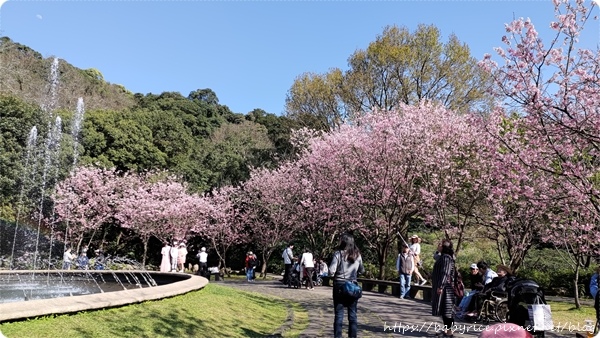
17,118
234,149
120,140
399,66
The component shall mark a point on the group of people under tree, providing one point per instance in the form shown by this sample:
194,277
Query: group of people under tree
307,267
485,285
173,257
82,262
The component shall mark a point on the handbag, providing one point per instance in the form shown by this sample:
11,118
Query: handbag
350,289
457,283
540,317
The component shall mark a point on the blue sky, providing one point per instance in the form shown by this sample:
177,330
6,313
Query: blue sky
248,52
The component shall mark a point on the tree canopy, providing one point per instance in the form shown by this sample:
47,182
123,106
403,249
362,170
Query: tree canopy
398,67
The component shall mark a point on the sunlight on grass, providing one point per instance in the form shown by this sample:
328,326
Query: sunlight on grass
215,311
565,315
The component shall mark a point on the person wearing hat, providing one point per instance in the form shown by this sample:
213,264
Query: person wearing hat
203,262
415,249
181,256
497,285
476,278
100,259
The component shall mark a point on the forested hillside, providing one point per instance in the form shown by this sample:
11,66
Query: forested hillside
25,74
194,136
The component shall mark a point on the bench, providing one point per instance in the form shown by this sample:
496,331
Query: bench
389,287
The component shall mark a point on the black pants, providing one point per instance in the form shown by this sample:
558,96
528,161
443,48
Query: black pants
203,269
286,273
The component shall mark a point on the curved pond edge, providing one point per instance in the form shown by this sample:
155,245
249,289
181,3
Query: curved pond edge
182,283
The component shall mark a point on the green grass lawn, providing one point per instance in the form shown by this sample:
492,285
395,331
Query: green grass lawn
215,311
566,315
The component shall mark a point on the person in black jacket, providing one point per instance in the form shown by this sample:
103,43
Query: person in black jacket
497,285
467,305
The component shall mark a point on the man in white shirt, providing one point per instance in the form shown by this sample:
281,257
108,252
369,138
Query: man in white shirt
488,274
288,258
203,262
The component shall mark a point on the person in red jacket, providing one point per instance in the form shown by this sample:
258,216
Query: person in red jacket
251,262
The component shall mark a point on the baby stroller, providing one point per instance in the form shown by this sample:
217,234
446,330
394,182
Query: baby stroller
294,278
316,279
521,294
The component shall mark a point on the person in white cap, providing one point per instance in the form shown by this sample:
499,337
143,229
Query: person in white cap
415,248
466,305
203,262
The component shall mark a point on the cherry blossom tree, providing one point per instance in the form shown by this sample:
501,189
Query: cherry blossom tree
455,172
221,224
152,208
267,203
555,89
84,201
521,197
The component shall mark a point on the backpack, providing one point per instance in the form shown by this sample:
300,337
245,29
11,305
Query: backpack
252,262
458,286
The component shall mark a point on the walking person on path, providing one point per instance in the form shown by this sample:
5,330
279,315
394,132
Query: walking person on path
308,264
443,298
250,266
288,258
405,266
345,266
415,249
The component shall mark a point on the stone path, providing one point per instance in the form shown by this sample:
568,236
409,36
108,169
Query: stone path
379,315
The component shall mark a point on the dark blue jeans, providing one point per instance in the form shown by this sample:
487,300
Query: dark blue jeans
340,302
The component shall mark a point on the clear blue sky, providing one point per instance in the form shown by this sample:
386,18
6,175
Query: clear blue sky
248,52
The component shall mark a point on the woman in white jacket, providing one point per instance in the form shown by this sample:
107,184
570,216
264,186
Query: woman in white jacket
308,264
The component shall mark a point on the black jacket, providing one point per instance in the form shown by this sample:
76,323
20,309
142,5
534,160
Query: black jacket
476,281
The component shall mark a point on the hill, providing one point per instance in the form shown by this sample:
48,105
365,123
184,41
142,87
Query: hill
24,73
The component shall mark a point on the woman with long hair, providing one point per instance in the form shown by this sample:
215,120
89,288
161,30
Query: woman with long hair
415,248
443,298
346,265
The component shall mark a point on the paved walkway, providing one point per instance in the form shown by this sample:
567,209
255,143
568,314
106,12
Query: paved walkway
379,315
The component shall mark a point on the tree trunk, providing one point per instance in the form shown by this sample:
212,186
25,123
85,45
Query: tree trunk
381,257
145,252
265,259
576,286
